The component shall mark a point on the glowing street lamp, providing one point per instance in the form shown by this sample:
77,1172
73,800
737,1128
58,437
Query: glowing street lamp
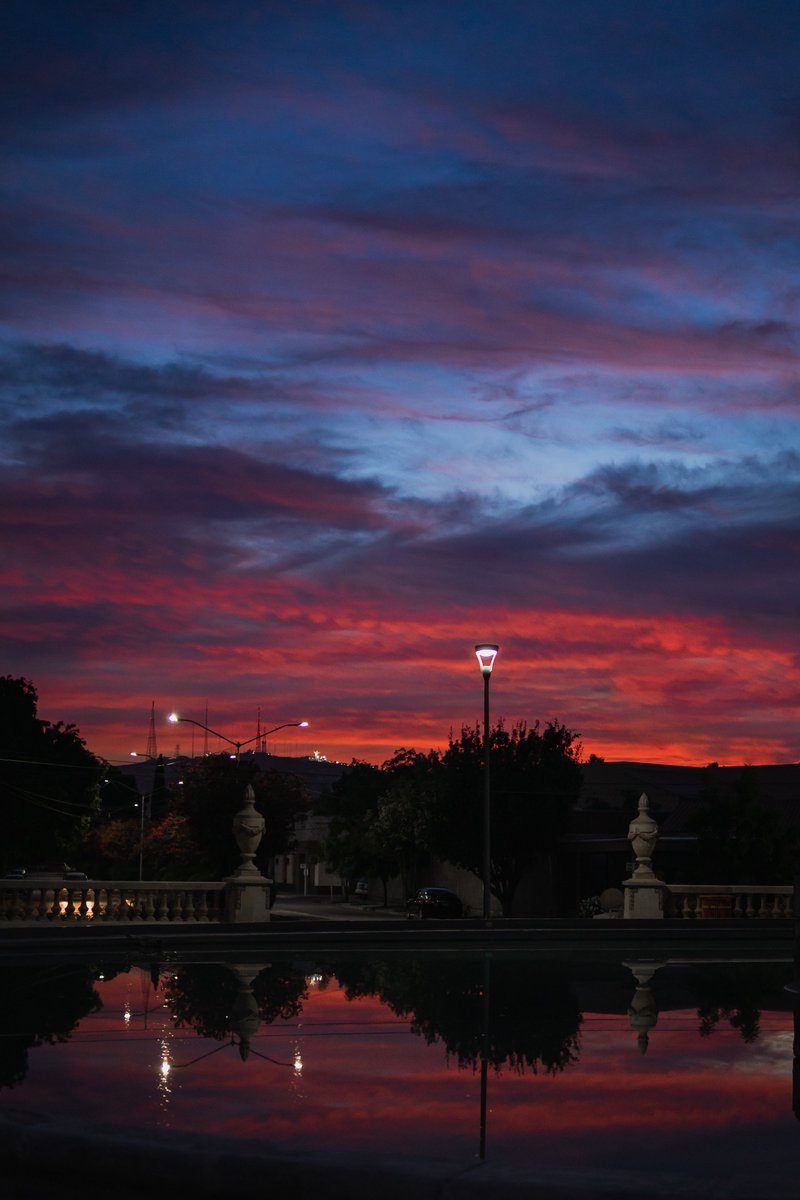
486,653
173,718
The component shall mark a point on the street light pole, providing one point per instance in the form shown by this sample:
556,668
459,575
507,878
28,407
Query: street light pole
142,805
486,654
173,718
141,835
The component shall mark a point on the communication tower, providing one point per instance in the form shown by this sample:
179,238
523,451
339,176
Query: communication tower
152,749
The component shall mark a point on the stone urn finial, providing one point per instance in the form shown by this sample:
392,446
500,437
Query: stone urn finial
248,829
643,835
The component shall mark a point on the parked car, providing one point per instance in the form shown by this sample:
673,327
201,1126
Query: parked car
362,888
51,872
434,902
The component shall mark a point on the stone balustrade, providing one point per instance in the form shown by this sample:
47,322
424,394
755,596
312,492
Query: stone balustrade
86,902
647,896
700,901
243,897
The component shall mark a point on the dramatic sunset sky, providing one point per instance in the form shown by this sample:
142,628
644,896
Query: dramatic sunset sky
338,336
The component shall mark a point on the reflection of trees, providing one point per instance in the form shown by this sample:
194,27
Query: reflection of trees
40,1006
737,993
534,1019
203,995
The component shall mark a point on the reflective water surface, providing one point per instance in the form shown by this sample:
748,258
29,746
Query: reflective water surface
656,1065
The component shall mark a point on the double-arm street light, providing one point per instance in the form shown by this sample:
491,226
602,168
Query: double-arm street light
486,653
174,719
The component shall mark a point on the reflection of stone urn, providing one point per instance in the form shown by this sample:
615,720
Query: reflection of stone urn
642,1011
248,829
643,835
244,1018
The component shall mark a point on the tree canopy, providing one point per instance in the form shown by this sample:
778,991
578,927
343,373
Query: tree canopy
379,818
739,838
211,794
535,781
48,781
387,820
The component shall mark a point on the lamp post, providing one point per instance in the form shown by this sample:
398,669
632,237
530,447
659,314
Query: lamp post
486,653
173,718
142,805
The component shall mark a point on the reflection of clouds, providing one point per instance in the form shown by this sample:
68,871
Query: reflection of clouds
771,1053
365,1083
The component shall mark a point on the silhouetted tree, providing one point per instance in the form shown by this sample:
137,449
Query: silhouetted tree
210,796
401,822
352,846
48,781
535,781
170,851
739,839
111,850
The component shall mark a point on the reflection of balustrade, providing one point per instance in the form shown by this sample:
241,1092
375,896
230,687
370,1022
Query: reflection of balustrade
90,902
715,901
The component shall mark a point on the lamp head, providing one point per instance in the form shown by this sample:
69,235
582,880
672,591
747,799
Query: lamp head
173,718
486,653
302,724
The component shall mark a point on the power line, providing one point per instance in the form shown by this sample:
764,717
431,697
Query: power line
62,766
26,794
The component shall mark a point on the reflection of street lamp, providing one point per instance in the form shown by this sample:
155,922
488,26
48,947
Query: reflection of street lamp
166,1066
486,653
174,719
244,1022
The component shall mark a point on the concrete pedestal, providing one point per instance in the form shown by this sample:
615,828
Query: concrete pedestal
643,901
247,898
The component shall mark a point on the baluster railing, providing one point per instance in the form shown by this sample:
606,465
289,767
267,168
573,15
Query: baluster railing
714,901
95,903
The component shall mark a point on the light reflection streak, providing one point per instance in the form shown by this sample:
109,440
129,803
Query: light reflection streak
164,1084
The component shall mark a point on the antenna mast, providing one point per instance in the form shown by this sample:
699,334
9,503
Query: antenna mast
152,748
